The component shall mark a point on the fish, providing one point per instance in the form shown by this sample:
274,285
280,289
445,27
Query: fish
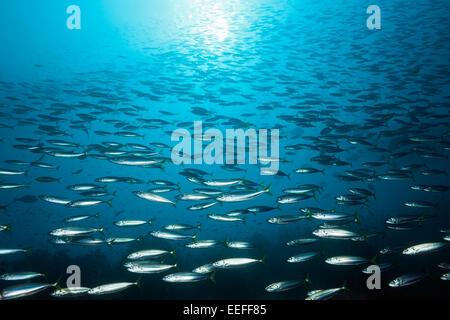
233,263
74,231
10,172
225,218
286,219
301,242
12,251
445,276
407,279
283,285
302,257
240,245
70,292
16,276
332,233
152,197
55,199
171,236
188,277
423,248
149,267
81,217
25,290
112,288
235,197
132,223
87,203
325,294
198,244
149,253
346,260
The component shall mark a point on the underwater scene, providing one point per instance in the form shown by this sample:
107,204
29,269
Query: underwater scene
214,150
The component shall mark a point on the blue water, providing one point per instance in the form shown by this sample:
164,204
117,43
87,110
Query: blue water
309,68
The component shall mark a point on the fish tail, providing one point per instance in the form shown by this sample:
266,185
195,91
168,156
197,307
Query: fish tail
357,218
263,259
307,280
56,284
213,277
344,286
138,282
110,244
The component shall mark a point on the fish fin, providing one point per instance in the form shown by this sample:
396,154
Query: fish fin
374,259
101,230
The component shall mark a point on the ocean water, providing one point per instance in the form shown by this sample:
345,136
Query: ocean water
311,69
